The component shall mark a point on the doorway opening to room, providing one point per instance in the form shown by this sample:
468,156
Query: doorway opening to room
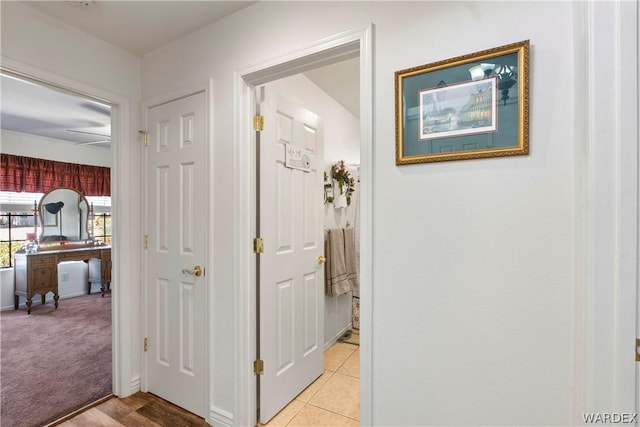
55,246
308,220
293,207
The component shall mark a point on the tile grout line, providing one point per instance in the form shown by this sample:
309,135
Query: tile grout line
295,413
323,385
328,410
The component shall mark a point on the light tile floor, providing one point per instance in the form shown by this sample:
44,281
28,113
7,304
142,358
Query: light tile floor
333,399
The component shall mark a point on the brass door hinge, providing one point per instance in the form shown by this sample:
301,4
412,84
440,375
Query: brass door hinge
258,245
145,136
258,367
146,241
146,344
258,123
637,349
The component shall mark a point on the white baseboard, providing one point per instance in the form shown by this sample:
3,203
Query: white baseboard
136,385
335,338
220,417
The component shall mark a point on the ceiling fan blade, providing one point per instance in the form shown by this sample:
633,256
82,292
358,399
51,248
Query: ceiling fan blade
88,133
98,108
94,142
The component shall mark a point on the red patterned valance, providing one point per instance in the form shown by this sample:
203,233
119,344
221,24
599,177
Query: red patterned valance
18,173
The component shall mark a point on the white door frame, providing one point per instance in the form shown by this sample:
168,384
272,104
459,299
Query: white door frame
174,95
124,255
341,46
607,211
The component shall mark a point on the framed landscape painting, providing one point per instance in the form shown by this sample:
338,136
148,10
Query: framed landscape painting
468,107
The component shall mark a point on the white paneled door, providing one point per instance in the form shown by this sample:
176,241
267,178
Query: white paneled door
291,272
176,227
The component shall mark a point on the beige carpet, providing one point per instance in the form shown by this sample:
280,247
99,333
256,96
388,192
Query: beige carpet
54,361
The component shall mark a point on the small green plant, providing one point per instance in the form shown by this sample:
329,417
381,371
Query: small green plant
344,179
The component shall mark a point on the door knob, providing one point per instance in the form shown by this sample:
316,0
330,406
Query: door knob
321,259
196,271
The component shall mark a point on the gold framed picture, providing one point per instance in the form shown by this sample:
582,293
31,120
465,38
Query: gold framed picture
469,107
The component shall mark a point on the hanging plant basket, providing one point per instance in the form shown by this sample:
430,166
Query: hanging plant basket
346,183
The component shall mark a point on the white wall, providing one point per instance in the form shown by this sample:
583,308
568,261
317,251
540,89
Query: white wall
473,293
474,260
43,148
51,45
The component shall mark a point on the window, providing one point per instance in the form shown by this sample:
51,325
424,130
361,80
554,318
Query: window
13,234
101,207
16,220
102,227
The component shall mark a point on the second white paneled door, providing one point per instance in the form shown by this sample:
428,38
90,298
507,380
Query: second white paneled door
176,227
291,272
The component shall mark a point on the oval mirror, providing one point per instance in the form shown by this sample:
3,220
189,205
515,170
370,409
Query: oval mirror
64,216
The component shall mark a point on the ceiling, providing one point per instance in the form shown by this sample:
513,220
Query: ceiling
33,109
46,112
139,27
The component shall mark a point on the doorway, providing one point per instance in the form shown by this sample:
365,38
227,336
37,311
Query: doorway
344,46
72,277
309,218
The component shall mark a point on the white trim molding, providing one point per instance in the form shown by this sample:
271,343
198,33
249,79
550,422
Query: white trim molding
342,46
607,213
219,417
135,384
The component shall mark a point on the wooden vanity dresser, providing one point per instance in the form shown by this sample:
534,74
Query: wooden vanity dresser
37,273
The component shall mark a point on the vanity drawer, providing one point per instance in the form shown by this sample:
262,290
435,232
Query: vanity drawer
78,256
43,278
42,261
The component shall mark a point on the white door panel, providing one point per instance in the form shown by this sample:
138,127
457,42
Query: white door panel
291,277
176,190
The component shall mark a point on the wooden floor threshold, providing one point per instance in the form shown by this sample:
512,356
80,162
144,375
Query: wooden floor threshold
78,411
